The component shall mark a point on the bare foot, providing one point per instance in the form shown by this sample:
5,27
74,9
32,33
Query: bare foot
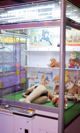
23,94
22,100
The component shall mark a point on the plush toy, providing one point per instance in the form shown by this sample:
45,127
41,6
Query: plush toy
50,96
55,101
73,61
56,64
71,88
56,81
78,83
53,63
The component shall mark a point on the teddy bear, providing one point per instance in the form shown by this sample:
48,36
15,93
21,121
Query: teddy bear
55,101
50,96
53,63
72,89
78,84
73,61
56,90
56,81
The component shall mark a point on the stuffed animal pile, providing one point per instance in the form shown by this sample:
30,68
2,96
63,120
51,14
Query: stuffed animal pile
78,83
55,101
72,91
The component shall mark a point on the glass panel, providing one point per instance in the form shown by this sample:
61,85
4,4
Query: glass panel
12,77
43,60
73,12
2,70
38,54
72,72
36,50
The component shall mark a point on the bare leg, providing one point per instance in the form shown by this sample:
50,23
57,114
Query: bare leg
29,90
22,100
36,93
40,100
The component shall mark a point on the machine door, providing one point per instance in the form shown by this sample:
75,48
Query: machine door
6,123
25,125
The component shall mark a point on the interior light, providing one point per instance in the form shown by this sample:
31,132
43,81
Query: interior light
30,9
75,10
68,5
67,13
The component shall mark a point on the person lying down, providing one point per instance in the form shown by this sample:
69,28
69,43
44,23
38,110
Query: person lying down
36,94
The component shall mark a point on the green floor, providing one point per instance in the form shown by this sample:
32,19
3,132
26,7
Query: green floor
15,96
72,111
18,96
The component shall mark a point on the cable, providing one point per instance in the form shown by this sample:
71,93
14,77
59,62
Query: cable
9,49
2,46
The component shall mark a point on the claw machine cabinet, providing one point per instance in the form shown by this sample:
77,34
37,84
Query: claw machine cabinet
42,44
7,121
72,72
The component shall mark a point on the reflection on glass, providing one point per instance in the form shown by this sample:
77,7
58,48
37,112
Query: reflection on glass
12,79
73,12
72,72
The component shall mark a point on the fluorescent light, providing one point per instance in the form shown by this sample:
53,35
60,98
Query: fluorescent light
30,9
68,5
75,10
67,13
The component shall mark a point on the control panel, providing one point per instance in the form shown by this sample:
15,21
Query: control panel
18,110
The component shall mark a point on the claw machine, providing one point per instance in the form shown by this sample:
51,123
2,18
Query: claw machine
37,68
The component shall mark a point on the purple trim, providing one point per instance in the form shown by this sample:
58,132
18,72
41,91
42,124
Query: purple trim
73,25
30,25
62,67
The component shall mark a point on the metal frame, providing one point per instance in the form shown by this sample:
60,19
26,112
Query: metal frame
73,25
62,68
30,25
